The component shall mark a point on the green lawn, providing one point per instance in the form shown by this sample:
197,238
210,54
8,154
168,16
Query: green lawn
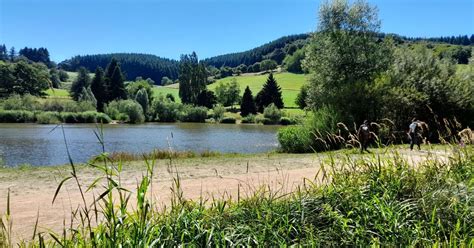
290,84
167,90
60,93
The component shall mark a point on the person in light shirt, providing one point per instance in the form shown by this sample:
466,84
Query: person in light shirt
414,133
364,136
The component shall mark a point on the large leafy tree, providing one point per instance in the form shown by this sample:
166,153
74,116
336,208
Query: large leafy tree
344,57
192,78
228,93
270,93
206,99
83,80
99,89
248,104
23,78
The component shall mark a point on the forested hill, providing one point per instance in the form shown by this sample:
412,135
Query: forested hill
274,50
133,65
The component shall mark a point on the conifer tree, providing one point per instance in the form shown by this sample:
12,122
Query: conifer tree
270,93
82,81
116,87
99,89
248,104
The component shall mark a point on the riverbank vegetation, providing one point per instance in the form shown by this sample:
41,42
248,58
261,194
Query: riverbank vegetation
362,200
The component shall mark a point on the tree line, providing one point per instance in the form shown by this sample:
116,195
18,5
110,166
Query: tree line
133,65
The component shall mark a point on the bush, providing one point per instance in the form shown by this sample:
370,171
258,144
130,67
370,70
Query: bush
287,121
25,102
249,119
218,112
85,117
48,118
272,113
16,116
295,139
228,120
193,114
165,110
125,110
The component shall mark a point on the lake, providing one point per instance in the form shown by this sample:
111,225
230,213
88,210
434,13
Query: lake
40,145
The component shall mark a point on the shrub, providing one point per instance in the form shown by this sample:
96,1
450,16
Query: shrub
165,110
48,118
287,121
68,117
16,116
218,112
129,108
249,119
295,139
193,114
228,120
272,113
25,102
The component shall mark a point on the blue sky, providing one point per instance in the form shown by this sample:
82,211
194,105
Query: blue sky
169,28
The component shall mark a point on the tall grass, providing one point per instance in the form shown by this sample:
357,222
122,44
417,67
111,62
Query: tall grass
356,201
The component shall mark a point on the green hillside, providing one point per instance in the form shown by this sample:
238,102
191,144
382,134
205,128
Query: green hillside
290,84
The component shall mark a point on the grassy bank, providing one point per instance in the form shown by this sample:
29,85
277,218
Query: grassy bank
354,200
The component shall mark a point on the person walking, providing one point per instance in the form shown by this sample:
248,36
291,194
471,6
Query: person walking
414,133
364,136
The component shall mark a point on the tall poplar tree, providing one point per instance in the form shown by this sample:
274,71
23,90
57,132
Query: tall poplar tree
192,78
99,89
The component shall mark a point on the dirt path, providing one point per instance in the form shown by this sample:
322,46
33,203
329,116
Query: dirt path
32,189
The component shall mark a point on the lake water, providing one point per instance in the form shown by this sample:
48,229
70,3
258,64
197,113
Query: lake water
44,144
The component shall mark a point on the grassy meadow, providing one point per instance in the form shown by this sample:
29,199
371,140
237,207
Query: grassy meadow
290,84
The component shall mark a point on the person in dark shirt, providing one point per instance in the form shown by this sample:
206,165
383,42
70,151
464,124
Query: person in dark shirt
364,136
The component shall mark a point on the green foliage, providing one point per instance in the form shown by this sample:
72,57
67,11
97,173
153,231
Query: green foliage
345,57
302,97
419,84
272,113
268,65
287,121
142,99
63,76
134,87
292,63
192,78
135,64
228,93
48,118
190,113
82,81
255,55
99,88
251,118
218,112
87,96
166,81
126,110
116,87
17,102
165,110
247,105
85,117
22,78
16,116
295,139
228,120
270,93
206,99
54,78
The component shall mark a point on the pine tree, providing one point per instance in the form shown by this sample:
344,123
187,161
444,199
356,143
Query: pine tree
87,96
3,52
116,87
82,81
248,104
270,93
302,96
12,54
99,89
